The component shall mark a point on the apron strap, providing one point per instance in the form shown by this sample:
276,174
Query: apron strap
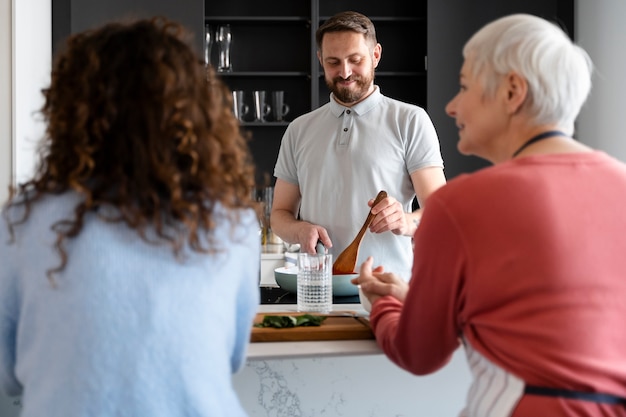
596,397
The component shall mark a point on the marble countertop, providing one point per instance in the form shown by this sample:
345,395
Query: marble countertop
308,349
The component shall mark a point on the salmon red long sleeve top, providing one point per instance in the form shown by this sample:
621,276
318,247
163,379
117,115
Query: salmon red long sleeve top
525,261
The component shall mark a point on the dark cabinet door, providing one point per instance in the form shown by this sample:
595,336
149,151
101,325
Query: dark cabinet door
71,16
450,25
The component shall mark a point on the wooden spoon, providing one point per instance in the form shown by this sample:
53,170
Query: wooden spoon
346,261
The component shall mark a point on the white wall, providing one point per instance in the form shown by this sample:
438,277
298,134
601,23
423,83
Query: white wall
25,50
5,97
32,26
600,30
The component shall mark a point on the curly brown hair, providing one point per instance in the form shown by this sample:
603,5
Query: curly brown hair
137,122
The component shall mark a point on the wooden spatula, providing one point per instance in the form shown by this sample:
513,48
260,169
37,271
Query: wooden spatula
346,261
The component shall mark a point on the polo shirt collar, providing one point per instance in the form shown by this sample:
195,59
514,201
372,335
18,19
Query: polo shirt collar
360,108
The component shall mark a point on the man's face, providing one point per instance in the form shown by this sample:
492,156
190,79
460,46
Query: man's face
349,65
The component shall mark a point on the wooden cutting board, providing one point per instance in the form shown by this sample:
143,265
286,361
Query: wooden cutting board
333,328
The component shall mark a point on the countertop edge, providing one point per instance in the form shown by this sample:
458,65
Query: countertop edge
312,349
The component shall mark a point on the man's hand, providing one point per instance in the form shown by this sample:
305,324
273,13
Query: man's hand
309,234
390,216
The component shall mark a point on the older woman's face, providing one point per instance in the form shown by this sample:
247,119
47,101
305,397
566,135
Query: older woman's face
478,116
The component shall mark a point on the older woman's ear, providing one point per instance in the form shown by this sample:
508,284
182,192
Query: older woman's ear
516,88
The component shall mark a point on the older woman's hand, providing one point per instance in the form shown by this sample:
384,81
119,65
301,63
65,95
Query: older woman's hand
375,283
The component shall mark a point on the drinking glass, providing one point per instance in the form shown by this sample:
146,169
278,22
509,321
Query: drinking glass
208,43
240,109
315,282
279,107
224,40
261,108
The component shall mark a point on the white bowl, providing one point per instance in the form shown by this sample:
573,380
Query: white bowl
367,306
287,279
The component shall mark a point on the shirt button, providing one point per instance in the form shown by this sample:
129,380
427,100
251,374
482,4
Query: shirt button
348,111
345,129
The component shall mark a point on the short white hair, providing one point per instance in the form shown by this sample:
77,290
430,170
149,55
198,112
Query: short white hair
558,71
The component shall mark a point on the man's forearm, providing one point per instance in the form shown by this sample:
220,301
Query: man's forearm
284,224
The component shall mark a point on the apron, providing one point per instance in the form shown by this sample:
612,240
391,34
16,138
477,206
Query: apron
495,392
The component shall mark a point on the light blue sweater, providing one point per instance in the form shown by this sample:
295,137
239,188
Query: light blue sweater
128,330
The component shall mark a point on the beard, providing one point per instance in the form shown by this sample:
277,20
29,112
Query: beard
351,95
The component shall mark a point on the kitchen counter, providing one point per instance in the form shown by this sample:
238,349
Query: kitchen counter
343,378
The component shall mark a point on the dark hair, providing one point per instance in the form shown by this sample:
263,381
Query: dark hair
347,21
135,121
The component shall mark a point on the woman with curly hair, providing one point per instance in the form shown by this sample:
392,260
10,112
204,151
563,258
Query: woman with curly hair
130,261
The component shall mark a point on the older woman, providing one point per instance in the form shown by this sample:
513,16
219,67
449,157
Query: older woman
522,262
122,286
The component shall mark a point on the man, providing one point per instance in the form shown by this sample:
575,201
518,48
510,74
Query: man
334,160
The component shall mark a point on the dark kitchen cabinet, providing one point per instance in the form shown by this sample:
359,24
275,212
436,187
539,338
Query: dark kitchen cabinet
273,48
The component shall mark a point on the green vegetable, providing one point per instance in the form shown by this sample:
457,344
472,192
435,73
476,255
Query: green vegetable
281,322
